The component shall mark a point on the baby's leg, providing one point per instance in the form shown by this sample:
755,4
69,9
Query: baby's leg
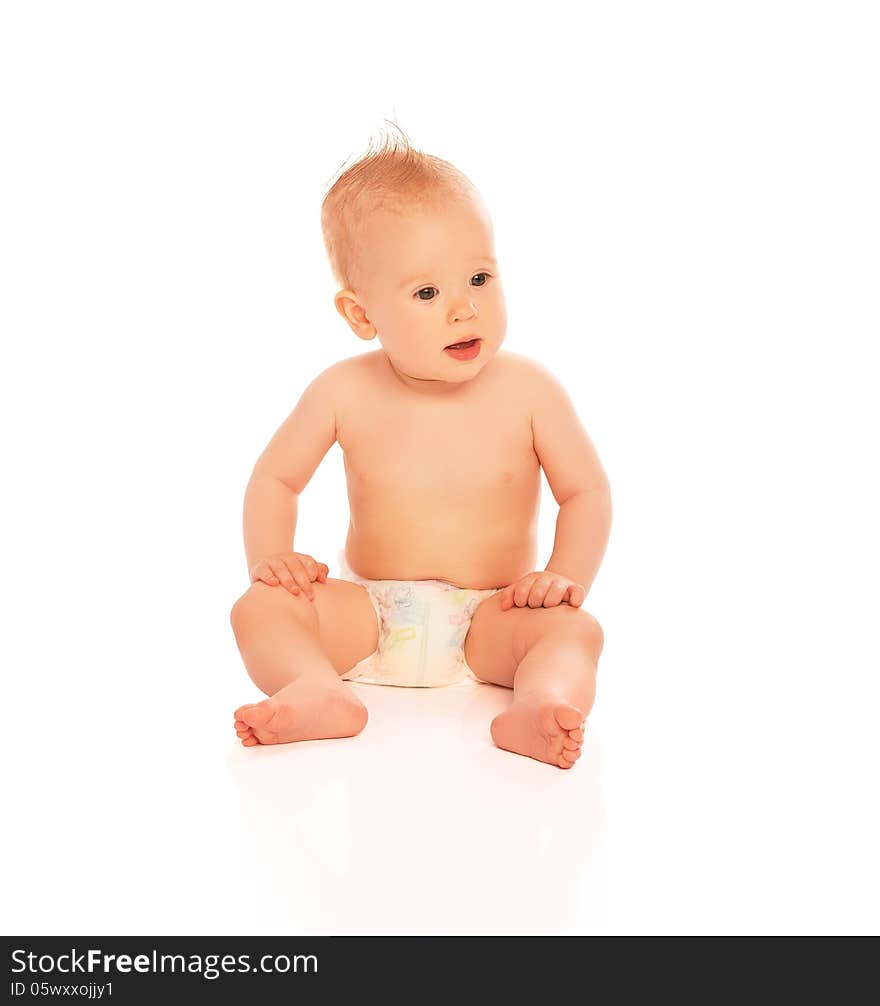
549,657
286,654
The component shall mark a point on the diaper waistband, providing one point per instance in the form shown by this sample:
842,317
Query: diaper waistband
347,573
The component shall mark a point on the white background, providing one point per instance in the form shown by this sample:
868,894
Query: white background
686,215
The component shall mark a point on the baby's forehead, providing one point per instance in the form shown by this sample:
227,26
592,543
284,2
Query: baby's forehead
412,237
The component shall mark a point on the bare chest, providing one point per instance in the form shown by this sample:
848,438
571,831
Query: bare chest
446,455
444,488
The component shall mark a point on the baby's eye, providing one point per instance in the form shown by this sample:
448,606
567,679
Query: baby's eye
427,289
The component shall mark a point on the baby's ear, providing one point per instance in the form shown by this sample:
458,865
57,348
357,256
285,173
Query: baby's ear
351,309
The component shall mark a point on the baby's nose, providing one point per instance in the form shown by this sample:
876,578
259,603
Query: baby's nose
463,310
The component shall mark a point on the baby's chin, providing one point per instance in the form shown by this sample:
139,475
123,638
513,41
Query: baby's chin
418,375
456,371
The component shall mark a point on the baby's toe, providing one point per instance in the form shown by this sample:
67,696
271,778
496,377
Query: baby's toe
577,734
258,716
241,709
568,717
570,745
568,758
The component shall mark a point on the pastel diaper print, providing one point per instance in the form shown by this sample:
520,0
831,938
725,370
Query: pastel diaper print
394,603
462,616
423,624
402,635
408,611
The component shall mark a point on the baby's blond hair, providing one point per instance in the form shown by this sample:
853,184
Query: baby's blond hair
394,176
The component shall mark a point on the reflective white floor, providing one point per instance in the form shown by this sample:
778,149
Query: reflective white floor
419,824
693,809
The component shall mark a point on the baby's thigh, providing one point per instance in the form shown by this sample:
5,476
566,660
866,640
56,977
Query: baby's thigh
341,616
348,628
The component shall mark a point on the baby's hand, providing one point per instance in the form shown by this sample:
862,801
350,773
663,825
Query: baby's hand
289,569
543,588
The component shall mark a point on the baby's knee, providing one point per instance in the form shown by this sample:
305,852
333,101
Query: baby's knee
593,631
251,607
568,620
241,610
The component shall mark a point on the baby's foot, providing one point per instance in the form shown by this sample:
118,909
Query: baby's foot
543,727
305,710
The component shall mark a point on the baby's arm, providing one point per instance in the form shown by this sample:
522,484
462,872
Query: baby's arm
285,467
576,478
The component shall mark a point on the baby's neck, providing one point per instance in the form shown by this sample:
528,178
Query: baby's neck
426,386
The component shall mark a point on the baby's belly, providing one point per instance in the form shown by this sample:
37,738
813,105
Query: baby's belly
475,548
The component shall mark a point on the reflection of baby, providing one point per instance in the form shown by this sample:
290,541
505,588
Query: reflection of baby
444,437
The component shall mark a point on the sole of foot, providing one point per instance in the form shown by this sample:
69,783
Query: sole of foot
304,710
541,727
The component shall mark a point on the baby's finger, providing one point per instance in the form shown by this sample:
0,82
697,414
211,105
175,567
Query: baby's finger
316,569
301,575
279,568
262,574
555,594
576,595
324,572
521,593
539,591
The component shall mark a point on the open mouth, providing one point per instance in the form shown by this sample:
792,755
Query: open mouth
463,345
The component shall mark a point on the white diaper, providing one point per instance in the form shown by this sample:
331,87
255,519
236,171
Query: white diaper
422,629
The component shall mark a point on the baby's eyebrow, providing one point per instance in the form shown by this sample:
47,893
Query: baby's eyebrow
425,275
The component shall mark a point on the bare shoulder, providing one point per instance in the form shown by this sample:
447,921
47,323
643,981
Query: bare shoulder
340,378
515,363
526,377
352,384
360,368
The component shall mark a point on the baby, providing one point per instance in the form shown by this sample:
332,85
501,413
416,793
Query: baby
444,436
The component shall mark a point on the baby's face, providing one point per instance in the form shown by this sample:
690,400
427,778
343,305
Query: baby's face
430,279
